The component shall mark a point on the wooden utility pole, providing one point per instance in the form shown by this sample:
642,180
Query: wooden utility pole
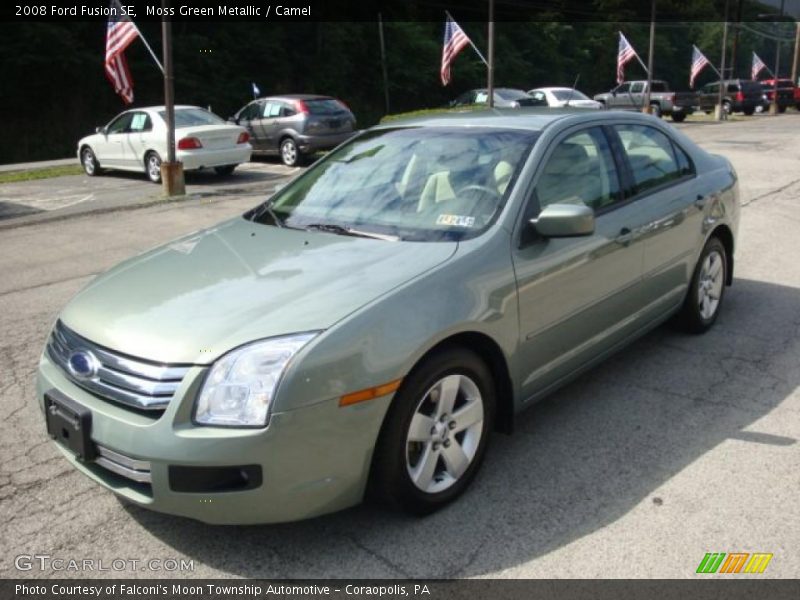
171,170
646,108
490,66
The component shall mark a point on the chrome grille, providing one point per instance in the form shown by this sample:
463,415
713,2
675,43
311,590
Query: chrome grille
132,468
135,382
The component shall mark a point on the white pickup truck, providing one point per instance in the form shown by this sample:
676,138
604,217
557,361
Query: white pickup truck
630,95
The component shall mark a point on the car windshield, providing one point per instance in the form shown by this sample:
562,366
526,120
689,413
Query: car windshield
508,94
324,106
189,117
569,95
421,184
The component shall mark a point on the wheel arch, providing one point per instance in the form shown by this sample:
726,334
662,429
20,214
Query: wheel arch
491,353
724,234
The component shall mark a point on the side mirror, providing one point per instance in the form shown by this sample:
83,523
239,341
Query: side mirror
614,92
99,129
564,220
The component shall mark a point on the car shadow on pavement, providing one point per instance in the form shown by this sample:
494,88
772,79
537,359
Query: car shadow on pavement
578,461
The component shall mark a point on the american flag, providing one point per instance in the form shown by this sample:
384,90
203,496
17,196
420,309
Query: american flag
120,33
699,62
454,41
758,66
624,54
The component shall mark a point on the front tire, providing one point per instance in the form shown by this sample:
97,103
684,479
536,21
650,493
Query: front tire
152,166
704,299
89,161
436,432
679,117
290,154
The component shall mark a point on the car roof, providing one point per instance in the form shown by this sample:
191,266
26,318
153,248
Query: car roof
531,119
553,89
297,97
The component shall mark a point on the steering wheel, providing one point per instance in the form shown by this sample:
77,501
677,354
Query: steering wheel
479,188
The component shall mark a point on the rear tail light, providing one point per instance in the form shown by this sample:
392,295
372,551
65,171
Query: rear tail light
301,107
189,143
244,137
740,96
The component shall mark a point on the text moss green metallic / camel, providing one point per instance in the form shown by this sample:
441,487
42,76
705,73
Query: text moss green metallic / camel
370,325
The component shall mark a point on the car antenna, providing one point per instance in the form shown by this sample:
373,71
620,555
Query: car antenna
572,91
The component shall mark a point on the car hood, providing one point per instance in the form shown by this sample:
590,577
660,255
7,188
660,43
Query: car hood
580,103
192,300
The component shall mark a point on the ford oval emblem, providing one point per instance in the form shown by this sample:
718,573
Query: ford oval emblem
82,364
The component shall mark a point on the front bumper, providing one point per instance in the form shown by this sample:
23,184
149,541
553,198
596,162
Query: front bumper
214,157
313,460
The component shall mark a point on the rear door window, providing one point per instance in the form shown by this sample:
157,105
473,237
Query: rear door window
650,155
324,106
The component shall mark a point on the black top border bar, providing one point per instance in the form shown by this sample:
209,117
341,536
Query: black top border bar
279,11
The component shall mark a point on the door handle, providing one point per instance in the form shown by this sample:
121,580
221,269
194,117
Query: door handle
625,236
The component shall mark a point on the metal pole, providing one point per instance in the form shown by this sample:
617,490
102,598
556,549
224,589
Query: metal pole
773,107
646,108
796,53
171,171
720,113
490,66
383,63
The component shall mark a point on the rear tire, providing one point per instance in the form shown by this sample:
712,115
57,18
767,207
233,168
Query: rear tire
290,153
679,117
749,111
225,171
707,289
152,166
727,107
89,161
435,433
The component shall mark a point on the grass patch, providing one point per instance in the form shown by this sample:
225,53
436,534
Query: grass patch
433,111
45,173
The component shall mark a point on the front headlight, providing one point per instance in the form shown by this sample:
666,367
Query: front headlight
239,389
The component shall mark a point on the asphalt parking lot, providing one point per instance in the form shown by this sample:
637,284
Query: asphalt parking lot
677,446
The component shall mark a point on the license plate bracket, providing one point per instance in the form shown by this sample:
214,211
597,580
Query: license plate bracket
69,424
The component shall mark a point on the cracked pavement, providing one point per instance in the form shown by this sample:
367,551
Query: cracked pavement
677,446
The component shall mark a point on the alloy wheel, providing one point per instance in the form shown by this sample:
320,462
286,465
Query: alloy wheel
709,285
445,433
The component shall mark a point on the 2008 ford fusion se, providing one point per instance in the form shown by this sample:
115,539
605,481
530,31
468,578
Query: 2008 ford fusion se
367,328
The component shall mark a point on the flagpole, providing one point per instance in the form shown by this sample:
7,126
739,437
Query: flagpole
490,64
474,47
383,62
149,49
720,113
646,108
636,54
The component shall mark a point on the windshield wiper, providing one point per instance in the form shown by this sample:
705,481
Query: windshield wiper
341,230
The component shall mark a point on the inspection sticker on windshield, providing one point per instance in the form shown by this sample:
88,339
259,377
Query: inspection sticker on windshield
456,220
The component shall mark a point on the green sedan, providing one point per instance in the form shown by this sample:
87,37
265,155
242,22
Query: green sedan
366,329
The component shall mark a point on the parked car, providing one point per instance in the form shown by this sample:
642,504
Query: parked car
630,95
786,93
503,98
563,96
739,95
296,125
136,140
370,324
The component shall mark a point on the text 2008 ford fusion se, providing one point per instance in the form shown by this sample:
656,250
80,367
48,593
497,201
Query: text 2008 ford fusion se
370,325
